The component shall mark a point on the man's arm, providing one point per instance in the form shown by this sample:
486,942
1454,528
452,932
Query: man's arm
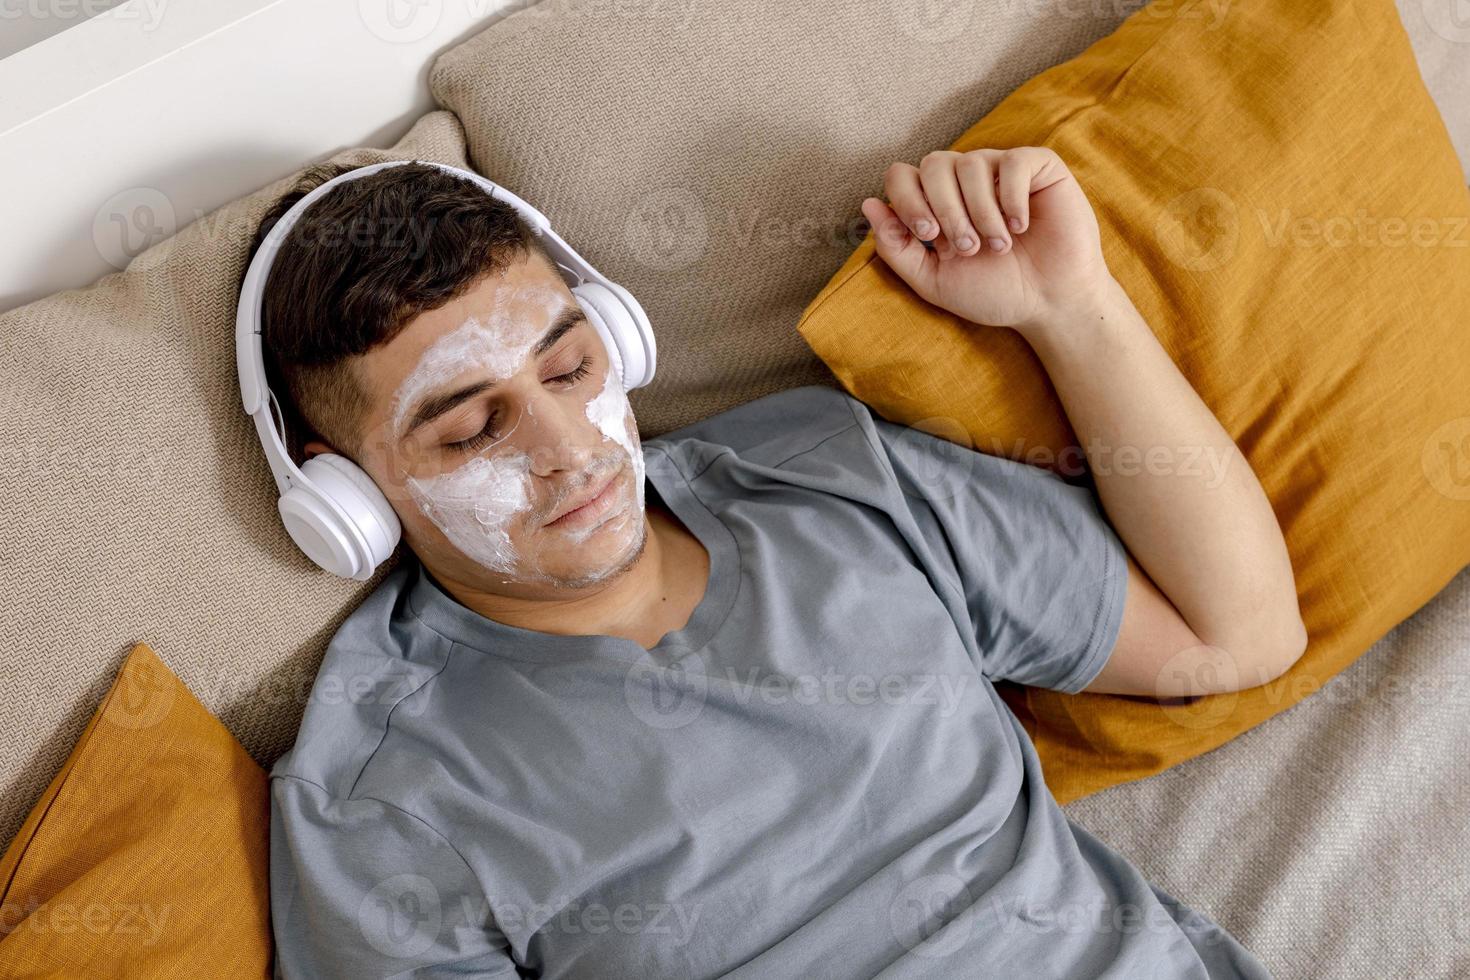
1212,601
1014,243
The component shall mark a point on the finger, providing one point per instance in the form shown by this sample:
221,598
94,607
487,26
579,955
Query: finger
1015,168
901,185
977,182
943,248
896,245
942,190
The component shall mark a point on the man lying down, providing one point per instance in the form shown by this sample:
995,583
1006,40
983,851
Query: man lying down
720,704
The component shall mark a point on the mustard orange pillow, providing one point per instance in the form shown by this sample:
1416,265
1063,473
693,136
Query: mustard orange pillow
148,854
1280,198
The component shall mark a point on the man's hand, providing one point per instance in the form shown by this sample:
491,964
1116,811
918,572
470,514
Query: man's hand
1211,602
1024,199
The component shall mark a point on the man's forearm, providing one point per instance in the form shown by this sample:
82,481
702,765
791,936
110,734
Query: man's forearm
1174,485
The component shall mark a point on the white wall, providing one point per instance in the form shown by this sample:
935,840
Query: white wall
184,105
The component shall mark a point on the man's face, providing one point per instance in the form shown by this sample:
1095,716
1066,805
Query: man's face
492,416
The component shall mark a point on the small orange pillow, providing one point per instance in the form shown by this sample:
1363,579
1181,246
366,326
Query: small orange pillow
148,854
1279,196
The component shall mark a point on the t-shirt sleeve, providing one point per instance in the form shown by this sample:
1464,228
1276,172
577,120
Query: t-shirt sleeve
360,888
1043,572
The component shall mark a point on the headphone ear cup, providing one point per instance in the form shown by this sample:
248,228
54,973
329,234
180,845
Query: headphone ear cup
318,531
629,345
340,518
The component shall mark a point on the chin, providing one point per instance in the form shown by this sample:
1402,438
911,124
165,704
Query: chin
613,548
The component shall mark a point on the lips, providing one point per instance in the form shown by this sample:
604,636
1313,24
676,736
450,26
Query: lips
584,501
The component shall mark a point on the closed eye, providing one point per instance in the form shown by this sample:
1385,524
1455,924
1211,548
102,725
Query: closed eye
490,432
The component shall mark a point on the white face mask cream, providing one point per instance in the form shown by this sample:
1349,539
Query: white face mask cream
477,504
609,411
501,347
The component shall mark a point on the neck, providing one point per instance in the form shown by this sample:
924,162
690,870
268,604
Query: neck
624,606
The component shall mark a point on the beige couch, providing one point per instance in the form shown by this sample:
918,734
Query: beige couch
710,158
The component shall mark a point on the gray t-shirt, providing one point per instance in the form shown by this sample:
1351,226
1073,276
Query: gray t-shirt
813,778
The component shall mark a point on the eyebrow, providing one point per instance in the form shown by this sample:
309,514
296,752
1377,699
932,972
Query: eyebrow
436,405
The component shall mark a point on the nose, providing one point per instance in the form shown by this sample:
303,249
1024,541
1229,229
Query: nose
560,439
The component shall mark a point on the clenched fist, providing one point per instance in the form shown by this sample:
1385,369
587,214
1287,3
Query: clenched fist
1015,241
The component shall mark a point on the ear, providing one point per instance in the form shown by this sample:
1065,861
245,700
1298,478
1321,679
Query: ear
314,447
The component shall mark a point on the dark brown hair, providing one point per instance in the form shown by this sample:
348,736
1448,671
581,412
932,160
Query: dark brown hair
361,262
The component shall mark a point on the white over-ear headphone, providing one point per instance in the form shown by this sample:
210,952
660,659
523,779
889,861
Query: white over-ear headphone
330,506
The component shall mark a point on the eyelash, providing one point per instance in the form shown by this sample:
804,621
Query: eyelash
481,438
